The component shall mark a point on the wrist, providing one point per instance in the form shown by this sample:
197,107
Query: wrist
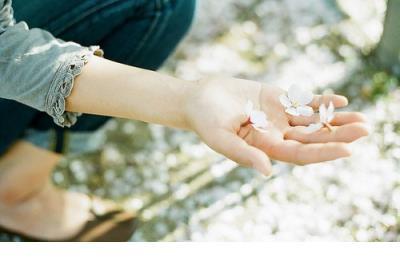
190,92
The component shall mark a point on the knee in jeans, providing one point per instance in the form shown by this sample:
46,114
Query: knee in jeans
182,9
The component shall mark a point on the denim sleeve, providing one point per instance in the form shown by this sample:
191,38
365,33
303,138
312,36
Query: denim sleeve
37,69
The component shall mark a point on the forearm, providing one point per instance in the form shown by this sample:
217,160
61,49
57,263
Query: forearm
113,89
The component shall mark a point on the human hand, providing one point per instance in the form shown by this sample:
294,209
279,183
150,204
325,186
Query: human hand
215,110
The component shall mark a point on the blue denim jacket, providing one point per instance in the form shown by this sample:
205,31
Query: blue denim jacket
37,69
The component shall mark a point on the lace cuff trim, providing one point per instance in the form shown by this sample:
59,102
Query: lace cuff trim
62,85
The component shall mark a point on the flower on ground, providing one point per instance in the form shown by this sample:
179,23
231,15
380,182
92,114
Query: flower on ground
296,101
258,119
326,115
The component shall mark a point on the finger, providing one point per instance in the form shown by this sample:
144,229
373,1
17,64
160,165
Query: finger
346,133
337,100
341,118
298,153
244,131
236,149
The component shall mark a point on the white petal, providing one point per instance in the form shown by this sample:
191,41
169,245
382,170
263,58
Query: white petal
258,118
306,96
330,117
300,95
313,128
292,111
305,110
260,129
322,113
249,107
292,92
285,101
261,126
331,107
330,112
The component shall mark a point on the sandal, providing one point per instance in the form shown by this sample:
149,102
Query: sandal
114,225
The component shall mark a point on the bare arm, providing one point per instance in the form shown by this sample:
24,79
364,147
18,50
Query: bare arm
113,89
214,108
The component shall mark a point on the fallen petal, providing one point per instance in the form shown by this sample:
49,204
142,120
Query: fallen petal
323,113
292,111
313,128
285,101
306,96
292,93
262,124
330,112
331,107
258,117
260,129
300,95
330,117
305,110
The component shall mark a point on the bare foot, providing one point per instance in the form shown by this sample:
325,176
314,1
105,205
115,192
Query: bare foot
31,205
51,214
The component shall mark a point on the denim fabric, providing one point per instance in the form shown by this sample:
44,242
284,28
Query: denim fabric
141,33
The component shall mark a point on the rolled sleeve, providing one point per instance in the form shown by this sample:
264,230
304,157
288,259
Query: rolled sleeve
37,69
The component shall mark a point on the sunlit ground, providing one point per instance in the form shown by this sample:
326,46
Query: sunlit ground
184,191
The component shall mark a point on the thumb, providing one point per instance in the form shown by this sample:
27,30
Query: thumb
236,149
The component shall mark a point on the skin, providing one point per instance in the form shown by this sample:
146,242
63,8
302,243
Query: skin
214,109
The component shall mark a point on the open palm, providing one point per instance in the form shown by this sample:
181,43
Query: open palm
217,114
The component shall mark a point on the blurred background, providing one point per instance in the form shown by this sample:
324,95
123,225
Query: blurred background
184,191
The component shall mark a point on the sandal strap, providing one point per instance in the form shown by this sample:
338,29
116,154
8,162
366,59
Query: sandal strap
103,215
113,226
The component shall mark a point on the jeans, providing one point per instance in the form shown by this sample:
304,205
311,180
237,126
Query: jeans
141,33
